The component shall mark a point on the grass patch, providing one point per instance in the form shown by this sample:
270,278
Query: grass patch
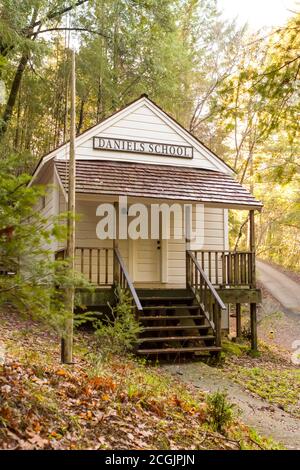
233,348
279,387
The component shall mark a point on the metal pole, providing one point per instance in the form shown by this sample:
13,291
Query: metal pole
67,352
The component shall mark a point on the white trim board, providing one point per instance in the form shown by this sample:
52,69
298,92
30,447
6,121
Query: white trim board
62,152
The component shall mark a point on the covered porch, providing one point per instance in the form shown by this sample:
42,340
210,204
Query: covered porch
179,289
213,279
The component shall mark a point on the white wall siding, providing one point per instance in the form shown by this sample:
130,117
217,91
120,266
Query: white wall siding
146,123
86,237
214,238
209,228
51,207
176,263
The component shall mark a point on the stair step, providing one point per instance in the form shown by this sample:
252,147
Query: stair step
174,338
177,327
171,307
170,317
166,299
178,350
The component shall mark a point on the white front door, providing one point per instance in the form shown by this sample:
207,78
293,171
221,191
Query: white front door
147,260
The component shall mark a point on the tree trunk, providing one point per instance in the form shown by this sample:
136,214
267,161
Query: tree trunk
7,114
116,57
81,114
17,133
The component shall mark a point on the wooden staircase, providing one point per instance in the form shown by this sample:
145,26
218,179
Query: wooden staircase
173,323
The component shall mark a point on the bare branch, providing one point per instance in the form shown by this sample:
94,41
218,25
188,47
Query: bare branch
58,13
87,30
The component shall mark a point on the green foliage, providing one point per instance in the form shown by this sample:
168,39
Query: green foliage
279,227
30,279
236,91
124,50
118,334
234,349
257,108
220,411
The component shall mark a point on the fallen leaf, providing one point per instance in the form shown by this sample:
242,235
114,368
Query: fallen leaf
104,383
37,440
37,427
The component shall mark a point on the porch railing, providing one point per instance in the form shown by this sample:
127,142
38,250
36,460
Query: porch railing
205,293
122,278
104,267
228,268
96,264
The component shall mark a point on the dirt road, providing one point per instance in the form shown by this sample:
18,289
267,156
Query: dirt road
282,287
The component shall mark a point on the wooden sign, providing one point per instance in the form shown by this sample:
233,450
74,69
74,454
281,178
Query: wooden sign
139,146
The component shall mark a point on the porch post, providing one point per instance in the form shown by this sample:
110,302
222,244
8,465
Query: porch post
253,322
116,245
238,321
253,313
252,247
217,320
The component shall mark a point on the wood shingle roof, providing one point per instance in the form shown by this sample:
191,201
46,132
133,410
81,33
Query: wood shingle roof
158,181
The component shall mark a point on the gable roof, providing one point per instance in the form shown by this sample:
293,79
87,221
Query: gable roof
157,181
185,130
143,99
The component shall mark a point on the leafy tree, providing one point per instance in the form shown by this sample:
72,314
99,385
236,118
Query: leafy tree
21,29
125,48
255,110
239,93
29,276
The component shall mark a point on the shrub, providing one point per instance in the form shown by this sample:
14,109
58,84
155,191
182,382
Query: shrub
246,332
219,411
118,334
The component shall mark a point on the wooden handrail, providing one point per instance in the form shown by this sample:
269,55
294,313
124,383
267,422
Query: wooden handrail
125,281
214,293
205,294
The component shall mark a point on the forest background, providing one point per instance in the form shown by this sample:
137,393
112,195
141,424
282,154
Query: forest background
237,91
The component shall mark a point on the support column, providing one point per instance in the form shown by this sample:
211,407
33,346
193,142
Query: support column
116,244
253,314
238,321
253,323
217,322
252,247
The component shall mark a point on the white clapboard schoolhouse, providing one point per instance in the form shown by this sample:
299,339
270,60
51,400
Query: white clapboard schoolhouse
153,207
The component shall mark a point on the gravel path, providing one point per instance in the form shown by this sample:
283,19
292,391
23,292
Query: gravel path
267,419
